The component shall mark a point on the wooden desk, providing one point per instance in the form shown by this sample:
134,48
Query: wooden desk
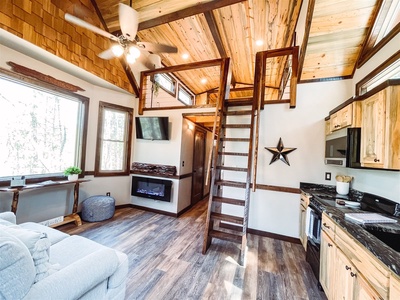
73,217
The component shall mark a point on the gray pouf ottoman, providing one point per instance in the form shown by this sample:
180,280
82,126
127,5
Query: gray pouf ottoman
98,208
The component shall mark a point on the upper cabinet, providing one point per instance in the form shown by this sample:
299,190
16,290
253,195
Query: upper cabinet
348,116
378,115
380,130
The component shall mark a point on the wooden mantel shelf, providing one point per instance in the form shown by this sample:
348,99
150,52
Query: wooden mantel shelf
73,217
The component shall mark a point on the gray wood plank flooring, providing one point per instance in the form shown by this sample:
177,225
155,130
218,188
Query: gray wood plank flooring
166,261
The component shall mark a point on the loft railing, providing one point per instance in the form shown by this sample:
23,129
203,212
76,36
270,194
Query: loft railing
290,70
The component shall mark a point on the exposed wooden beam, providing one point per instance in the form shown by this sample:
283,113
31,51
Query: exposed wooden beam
212,25
187,12
184,67
124,64
310,13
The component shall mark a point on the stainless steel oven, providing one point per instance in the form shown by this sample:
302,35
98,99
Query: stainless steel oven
313,225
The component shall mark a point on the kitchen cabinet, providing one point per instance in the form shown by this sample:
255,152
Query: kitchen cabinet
304,201
348,270
348,116
373,131
327,264
328,130
380,129
345,277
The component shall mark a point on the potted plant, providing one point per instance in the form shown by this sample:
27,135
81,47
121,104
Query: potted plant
72,173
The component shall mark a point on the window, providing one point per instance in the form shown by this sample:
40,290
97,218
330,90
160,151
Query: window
114,138
184,96
390,69
166,83
41,129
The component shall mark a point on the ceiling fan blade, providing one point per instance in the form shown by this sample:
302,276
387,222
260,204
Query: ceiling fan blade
157,48
129,21
107,54
84,24
151,61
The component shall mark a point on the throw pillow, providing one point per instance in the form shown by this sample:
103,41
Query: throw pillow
39,247
17,271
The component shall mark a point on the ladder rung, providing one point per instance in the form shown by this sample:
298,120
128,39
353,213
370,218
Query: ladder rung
238,103
229,201
233,153
227,218
226,236
235,139
231,183
236,126
238,112
232,169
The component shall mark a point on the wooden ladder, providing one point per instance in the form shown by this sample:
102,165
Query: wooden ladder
230,182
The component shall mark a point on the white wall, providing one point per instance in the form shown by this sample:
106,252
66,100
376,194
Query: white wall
48,203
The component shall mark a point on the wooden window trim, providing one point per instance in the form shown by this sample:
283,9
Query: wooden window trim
128,142
52,88
376,71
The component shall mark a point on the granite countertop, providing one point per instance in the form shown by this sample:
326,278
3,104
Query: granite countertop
387,255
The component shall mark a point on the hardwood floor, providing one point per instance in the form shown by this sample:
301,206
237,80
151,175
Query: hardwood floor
166,261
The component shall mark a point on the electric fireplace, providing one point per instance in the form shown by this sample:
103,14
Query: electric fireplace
152,188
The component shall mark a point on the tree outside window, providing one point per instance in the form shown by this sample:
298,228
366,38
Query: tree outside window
114,138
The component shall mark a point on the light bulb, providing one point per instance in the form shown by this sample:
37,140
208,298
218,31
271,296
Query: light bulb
118,50
130,58
135,52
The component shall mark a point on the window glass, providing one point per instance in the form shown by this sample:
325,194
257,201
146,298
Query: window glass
115,130
184,96
41,130
166,82
391,71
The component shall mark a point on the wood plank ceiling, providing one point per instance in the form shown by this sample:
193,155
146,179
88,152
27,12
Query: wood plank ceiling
230,28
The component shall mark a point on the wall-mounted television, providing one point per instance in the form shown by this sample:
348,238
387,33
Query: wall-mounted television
152,128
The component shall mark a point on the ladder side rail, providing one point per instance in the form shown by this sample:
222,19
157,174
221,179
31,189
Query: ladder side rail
225,78
259,95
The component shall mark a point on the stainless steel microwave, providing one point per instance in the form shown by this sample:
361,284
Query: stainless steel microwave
342,148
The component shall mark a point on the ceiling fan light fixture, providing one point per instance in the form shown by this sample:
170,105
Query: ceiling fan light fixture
135,52
118,50
130,58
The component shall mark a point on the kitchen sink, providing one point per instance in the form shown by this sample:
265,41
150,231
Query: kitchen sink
389,238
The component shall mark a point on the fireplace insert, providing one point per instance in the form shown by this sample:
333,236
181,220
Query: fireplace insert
152,188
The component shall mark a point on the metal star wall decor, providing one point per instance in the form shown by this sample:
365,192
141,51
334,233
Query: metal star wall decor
280,152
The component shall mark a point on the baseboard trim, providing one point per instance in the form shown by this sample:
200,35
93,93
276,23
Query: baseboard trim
274,236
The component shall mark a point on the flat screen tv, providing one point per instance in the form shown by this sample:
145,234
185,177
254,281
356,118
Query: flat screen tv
152,128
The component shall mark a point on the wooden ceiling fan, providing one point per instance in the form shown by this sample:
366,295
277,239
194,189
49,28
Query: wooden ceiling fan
126,43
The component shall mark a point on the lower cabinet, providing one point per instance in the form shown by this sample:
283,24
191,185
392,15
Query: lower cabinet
339,275
327,265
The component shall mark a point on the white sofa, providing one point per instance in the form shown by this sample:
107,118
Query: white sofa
38,262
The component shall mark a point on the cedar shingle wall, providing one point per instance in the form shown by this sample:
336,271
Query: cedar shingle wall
42,23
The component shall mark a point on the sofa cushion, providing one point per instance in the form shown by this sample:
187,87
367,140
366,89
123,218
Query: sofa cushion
54,235
38,245
17,271
8,216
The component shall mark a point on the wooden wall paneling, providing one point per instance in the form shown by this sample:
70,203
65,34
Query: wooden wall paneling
42,23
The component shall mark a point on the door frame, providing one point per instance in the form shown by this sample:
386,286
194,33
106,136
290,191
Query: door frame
200,129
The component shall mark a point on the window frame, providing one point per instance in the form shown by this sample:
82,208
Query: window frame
182,87
128,141
381,68
53,89
171,79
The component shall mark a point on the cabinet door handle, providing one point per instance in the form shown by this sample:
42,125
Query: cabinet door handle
353,274
348,268
330,245
376,160
326,226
